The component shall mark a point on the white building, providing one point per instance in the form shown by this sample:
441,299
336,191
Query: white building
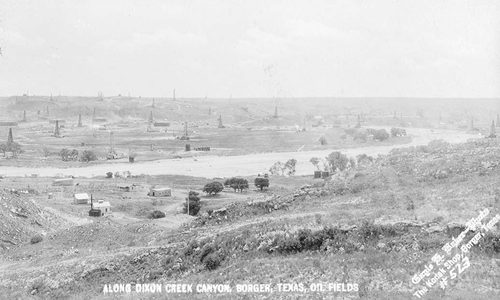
81,198
160,192
103,206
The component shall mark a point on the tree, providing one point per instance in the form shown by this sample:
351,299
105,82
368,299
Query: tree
69,155
337,161
213,188
277,168
397,132
237,183
88,155
194,203
261,182
378,134
13,147
315,161
322,141
3,149
290,166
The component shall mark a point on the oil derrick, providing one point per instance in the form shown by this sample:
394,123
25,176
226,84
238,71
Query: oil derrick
209,111
185,136
111,152
24,116
10,138
471,126
80,120
358,124
395,115
276,112
492,130
47,110
173,95
56,129
220,121
151,120
153,104
93,116
498,120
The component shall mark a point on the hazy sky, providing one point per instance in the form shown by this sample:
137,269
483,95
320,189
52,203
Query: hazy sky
251,48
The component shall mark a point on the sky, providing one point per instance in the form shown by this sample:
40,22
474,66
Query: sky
235,48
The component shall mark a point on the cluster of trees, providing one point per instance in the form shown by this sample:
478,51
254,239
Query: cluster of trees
237,184
398,132
12,147
74,155
363,135
337,162
69,155
287,168
378,134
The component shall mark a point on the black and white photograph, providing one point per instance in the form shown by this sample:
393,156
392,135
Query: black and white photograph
250,149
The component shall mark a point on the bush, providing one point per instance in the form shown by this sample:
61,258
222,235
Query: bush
378,134
397,132
36,239
213,188
109,174
261,182
88,155
212,261
69,155
156,214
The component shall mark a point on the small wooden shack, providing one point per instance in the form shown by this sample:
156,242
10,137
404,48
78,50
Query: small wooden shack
63,182
81,198
160,192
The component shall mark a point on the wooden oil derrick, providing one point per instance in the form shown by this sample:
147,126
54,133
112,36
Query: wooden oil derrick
220,122
10,137
498,120
275,112
56,130
24,116
493,133
80,120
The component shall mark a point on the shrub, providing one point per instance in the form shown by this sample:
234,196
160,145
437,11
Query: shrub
69,155
212,261
156,214
205,251
88,155
213,188
261,182
109,174
397,132
36,239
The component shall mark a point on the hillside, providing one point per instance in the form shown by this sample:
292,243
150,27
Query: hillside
377,226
